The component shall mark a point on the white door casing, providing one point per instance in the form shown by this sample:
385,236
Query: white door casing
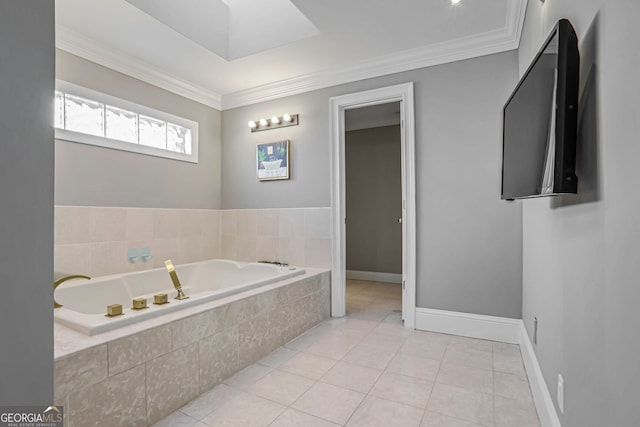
402,93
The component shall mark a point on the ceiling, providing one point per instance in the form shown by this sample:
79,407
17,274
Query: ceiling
372,116
228,53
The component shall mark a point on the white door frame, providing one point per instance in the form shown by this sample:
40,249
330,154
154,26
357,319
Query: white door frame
338,105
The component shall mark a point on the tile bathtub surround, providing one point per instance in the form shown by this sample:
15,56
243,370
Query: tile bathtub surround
146,375
295,236
367,370
95,240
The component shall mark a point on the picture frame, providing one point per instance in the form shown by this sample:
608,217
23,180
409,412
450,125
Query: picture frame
272,160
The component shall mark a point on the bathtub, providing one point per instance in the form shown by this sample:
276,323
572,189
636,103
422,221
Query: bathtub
84,302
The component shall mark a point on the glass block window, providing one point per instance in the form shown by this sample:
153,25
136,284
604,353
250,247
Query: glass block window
90,117
121,124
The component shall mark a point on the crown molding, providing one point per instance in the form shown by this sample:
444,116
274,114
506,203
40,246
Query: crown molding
471,47
516,12
79,45
502,40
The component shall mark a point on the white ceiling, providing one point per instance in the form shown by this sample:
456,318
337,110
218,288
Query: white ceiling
227,53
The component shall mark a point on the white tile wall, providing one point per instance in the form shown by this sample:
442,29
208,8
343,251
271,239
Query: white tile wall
294,236
95,240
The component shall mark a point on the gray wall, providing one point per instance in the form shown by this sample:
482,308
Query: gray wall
94,176
26,211
469,243
374,199
580,256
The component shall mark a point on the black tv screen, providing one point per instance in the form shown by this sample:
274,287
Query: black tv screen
540,122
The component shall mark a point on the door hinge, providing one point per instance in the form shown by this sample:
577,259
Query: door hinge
403,285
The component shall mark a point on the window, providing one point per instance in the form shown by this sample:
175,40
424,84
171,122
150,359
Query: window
90,117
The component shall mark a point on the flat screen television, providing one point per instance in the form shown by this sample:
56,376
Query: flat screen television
540,122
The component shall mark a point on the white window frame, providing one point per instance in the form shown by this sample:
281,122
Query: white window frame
101,141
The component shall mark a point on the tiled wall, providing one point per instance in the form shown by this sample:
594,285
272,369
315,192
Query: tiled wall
141,378
294,236
95,240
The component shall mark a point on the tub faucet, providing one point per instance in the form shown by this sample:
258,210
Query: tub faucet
175,280
60,278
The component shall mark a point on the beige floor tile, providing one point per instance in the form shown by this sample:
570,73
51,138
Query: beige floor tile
462,382
469,378
395,317
418,337
373,357
429,349
308,365
471,344
293,418
356,334
461,403
335,404
512,386
434,419
177,419
510,412
245,410
334,345
403,389
507,349
371,314
418,367
384,340
248,376
358,324
278,357
467,357
281,387
209,401
307,339
510,364
376,412
354,377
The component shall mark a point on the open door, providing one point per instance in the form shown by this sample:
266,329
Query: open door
338,105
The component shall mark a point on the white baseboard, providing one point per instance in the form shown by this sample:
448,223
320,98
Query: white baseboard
500,329
541,396
469,325
375,276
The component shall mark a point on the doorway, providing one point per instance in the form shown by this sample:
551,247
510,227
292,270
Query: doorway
403,94
373,184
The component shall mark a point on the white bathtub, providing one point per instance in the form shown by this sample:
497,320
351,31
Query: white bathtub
84,302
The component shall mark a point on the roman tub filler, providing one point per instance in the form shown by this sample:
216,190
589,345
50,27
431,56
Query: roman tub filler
132,348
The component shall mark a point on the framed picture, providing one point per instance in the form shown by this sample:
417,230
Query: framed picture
272,160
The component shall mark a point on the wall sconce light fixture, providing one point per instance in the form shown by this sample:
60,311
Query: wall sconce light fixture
274,123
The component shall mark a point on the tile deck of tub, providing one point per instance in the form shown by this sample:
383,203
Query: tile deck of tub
367,370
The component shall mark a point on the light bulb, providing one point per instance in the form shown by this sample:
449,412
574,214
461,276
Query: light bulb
252,124
264,122
286,118
275,120
454,2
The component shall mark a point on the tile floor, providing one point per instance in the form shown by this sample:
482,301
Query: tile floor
367,370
